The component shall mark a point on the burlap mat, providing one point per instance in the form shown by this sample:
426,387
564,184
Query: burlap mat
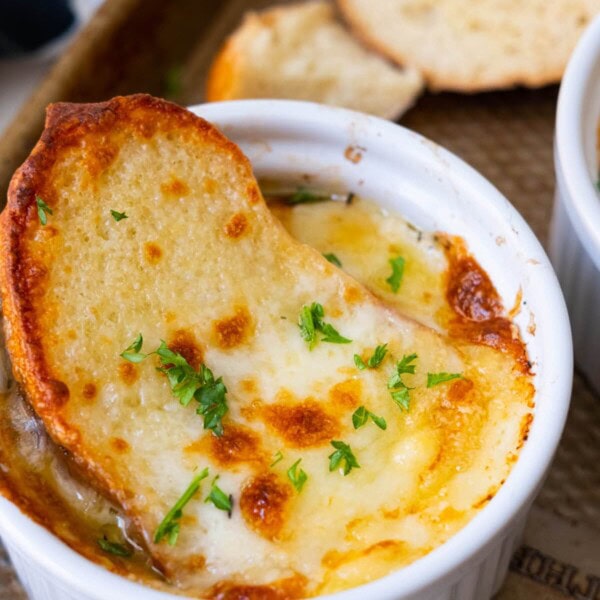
508,137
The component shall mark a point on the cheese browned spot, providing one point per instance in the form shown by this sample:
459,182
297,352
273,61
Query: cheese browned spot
233,330
237,445
152,252
264,504
89,391
119,444
479,313
128,372
184,342
346,394
253,194
209,185
458,390
175,187
302,425
282,589
236,226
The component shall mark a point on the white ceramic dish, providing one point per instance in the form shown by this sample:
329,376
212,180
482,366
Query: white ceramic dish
575,231
300,142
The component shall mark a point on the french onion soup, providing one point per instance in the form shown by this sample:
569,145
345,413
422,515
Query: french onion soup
225,398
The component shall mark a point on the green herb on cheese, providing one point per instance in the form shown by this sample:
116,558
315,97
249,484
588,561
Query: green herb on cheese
343,454
395,279
361,415
297,476
437,378
170,526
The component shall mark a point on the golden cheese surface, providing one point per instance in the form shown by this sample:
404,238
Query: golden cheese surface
201,263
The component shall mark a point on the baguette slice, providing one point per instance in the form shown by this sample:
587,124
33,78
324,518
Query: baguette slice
201,263
474,46
301,52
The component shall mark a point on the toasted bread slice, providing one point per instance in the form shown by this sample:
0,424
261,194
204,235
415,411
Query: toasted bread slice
301,52
200,262
474,46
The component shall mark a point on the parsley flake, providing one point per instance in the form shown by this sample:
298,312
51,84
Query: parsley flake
297,476
374,361
304,196
132,352
398,389
437,378
219,498
311,321
343,453
118,216
114,548
402,398
43,210
187,383
362,415
395,279
333,259
278,457
169,526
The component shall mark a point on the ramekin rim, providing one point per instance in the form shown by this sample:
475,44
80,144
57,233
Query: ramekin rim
581,200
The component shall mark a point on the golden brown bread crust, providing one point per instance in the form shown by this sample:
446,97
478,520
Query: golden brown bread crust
22,277
219,83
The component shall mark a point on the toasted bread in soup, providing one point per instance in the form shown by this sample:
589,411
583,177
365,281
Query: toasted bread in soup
201,263
302,52
474,46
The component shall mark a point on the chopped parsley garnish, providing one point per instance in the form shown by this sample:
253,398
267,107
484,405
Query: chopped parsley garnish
187,383
343,453
437,378
398,389
362,415
333,259
114,548
395,279
43,210
311,322
303,196
278,457
169,526
374,361
219,498
297,476
118,216
132,352
402,398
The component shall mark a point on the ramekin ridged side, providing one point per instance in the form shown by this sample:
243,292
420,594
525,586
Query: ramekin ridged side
575,228
307,144
580,280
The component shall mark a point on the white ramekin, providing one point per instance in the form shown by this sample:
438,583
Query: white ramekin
311,144
575,229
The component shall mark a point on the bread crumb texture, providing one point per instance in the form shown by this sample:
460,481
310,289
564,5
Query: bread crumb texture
474,46
302,52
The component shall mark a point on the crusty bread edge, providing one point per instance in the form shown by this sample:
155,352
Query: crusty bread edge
65,124
438,82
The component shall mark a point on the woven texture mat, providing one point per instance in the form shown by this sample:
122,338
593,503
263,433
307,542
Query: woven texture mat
508,137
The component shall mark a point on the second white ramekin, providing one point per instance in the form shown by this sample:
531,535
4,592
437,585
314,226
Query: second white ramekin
575,229
339,150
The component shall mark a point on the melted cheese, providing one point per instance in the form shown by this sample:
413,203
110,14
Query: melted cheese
419,481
